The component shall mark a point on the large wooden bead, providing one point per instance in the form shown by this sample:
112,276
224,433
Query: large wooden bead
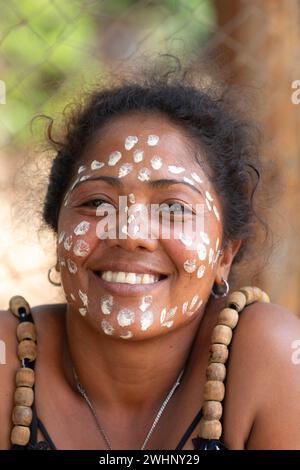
214,390
216,371
27,350
261,295
20,435
212,410
210,429
26,330
237,300
250,294
16,303
22,415
23,396
221,334
228,317
218,353
25,377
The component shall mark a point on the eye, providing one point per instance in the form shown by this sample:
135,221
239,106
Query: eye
95,203
176,208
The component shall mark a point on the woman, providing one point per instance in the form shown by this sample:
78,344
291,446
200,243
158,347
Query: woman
134,359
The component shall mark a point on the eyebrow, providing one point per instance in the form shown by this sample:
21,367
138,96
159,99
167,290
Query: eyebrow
156,184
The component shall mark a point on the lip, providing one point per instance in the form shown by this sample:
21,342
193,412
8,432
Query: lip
127,290
128,266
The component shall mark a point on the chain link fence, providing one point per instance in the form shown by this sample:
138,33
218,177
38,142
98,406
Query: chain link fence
52,49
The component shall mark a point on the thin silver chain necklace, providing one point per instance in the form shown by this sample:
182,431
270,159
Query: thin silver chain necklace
82,391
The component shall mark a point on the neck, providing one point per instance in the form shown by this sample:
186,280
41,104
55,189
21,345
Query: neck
127,375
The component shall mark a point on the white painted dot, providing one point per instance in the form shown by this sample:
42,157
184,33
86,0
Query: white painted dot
176,170
204,237
156,162
152,140
146,320
72,267
81,248
208,204
83,298
201,250
197,178
125,169
131,198
200,271
190,265
68,243
106,303
107,327
131,141
81,169
61,237
126,335
82,311
216,213
82,228
95,165
114,158
145,302
138,156
125,317
184,307
209,196
144,174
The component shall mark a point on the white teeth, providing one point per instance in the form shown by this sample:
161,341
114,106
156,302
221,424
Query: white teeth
129,278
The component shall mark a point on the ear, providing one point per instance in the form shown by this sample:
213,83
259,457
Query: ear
226,259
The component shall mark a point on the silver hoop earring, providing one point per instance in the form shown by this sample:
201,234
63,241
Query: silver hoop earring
218,295
57,284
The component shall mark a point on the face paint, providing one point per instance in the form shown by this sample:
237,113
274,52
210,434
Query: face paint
156,162
201,250
208,204
81,169
82,311
216,212
208,196
144,174
204,237
125,170
184,307
83,298
124,229
73,297
146,320
81,248
210,256
82,228
152,140
62,262
125,317
188,180
106,303
61,237
131,218
217,244
114,158
138,156
145,302
176,170
166,317
131,198
95,165
84,177
107,327
185,239
130,141
196,178
201,271
72,266
127,335
190,265
68,243
194,301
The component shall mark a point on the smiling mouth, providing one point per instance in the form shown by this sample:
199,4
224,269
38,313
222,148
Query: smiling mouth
122,277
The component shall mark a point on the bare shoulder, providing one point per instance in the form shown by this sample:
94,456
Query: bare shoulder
263,381
48,319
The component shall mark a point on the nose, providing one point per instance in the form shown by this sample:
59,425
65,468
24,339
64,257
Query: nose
133,230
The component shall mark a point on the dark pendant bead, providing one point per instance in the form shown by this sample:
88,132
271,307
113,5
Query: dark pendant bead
208,444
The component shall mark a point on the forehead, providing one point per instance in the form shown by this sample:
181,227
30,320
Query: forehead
173,141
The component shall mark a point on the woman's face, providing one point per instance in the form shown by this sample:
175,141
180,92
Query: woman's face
154,271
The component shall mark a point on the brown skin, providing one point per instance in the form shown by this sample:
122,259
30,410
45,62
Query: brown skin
127,380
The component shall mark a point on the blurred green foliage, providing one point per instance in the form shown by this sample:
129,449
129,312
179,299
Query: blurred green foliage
49,47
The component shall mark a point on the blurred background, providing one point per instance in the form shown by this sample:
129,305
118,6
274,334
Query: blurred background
51,49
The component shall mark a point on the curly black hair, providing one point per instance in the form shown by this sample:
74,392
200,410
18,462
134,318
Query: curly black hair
230,142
